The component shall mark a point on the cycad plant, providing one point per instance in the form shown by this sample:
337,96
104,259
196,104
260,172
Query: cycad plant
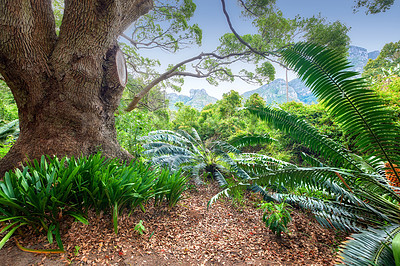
187,151
354,192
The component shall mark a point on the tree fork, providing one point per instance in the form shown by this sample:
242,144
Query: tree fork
67,88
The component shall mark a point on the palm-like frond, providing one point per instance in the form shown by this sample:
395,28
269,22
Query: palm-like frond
311,160
330,214
166,136
183,150
248,140
220,178
165,149
258,163
11,128
224,147
356,107
303,132
370,247
347,190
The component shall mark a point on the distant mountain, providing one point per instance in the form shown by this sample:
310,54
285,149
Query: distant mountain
373,55
197,99
274,92
303,93
358,57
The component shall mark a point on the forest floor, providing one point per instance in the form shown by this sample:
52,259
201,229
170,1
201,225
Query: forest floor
188,234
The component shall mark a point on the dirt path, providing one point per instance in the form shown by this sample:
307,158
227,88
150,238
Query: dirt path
189,234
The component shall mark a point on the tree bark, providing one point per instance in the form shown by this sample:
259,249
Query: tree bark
66,87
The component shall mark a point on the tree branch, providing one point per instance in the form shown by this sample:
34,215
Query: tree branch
228,19
131,10
263,54
172,72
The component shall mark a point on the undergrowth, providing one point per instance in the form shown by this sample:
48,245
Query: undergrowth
45,191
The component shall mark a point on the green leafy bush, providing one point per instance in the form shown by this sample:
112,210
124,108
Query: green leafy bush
276,217
44,191
8,107
131,126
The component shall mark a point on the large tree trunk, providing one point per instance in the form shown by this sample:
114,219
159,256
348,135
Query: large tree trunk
67,88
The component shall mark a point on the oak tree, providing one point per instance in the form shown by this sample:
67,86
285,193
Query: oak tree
66,86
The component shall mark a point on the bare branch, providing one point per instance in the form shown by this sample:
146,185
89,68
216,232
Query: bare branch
246,7
263,54
129,39
228,19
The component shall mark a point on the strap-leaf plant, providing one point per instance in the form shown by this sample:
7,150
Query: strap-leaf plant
355,192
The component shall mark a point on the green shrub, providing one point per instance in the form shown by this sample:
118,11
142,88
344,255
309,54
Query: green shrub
276,217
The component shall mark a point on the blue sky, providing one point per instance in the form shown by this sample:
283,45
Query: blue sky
368,31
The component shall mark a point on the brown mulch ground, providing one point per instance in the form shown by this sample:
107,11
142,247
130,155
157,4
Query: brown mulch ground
189,234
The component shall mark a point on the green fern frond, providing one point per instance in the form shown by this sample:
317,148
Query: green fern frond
224,147
370,247
11,128
220,178
356,107
332,214
311,160
167,136
261,163
303,132
249,140
166,149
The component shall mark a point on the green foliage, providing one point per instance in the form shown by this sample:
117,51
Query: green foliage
332,35
229,104
373,6
356,107
185,118
8,134
8,107
277,31
6,146
355,189
132,125
396,248
170,187
388,90
58,10
76,252
44,191
386,65
276,217
245,140
225,121
9,125
139,227
187,151
371,247
255,100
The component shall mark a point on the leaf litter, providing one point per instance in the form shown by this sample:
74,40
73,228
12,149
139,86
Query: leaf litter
188,234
